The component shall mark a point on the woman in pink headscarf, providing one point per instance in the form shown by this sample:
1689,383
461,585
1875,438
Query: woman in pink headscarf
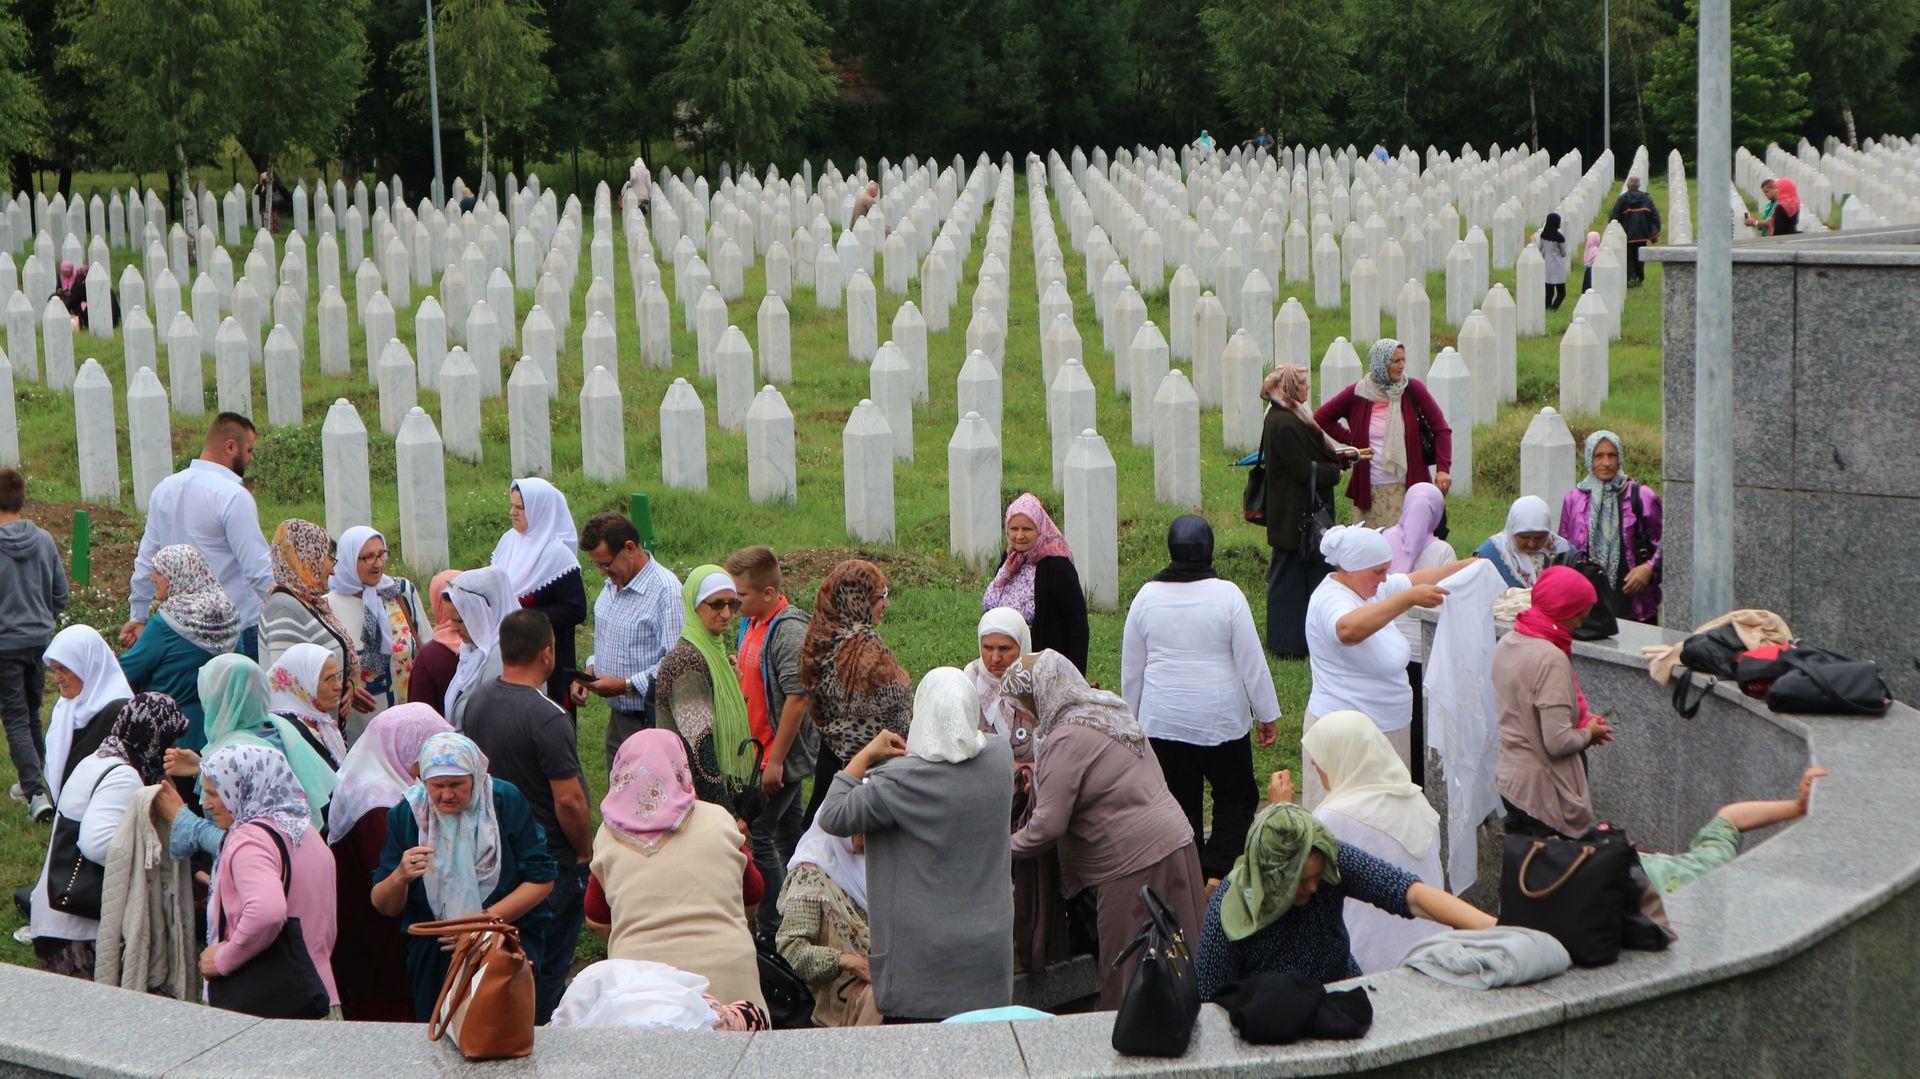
1418,542
372,972
670,866
1586,261
1545,727
1038,580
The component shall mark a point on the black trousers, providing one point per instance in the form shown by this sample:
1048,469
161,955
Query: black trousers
1228,767
1636,271
823,772
1417,733
1291,580
1556,295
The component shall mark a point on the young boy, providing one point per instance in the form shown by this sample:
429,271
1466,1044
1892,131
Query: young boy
33,592
769,664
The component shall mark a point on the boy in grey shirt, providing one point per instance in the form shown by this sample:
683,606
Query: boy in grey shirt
33,592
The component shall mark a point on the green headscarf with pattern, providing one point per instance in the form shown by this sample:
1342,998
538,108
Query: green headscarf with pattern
1266,877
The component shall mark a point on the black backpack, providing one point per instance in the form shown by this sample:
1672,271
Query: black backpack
1600,622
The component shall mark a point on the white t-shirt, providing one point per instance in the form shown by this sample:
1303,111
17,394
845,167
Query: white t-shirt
1369,677
1191,666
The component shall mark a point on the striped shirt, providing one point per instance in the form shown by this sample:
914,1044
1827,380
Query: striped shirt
634,626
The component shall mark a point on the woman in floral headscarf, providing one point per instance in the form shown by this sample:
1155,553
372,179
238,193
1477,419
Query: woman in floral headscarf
305,687
856,686
195,622
670,866
1038,579
460,843
384,615
1383,414
297,610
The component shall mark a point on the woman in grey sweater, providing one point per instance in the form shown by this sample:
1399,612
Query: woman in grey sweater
1553,248
934,808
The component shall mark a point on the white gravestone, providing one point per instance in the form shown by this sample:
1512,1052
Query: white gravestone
1071,403
973,491
709,326
9,417
1363,311
1500,310
1482,358
1091,492
1529,282
335,359
733,379
149,432
776,340
56,334
656,327
981,389
421,467
683,438
1147,362
399,385
890,386
1242,369
866,446
771,473
483,346
1452,387
1413,326
184,375
429,341
1209,343
232,369
1547,457
1583,370
139,343
282,362
460,405
910,333
1339,368
1176,442
529,425
862,318
603,440
343,468
96,441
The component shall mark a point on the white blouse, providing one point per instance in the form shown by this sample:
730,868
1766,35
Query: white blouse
1369,677
1191,666
99,811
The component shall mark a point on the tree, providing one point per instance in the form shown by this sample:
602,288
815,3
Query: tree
1394,95
489,58
168,75
1850,48
1640,28
1769,96
1536,56
307,60
751,68
1280,63
22,114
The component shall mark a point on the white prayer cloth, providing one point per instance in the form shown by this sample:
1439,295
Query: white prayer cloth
1463,725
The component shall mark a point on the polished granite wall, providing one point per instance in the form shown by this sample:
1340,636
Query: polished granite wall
1826,439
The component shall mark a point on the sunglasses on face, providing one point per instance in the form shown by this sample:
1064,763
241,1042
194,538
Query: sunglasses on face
723,604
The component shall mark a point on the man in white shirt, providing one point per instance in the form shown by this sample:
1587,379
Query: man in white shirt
636,622
205,505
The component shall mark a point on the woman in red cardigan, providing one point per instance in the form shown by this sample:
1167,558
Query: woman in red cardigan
1384,412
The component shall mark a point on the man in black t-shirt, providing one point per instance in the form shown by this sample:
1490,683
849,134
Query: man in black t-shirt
529,742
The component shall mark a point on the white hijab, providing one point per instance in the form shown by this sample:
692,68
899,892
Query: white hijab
483,598
545,551
1367,782
1350,548
946,718
995,712
346,580
1529,513
836,858
83,651
292,693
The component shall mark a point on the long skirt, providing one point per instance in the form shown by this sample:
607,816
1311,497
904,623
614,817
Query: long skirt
1290,583
1178,881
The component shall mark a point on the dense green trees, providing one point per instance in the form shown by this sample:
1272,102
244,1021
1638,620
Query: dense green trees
158,84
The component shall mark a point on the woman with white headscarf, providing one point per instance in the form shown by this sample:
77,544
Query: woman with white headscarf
540,557
1391,414
1359,661
386,617
1099,799
305,686
92,691
1527,546
1373,804
460,843
1004,638
934,808
824,932
481,600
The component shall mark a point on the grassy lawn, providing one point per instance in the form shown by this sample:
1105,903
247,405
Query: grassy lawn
935,597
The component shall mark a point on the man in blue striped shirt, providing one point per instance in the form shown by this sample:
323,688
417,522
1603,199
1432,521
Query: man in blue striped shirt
636,622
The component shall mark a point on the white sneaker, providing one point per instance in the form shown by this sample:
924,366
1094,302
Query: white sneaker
23,935
41,809
14,792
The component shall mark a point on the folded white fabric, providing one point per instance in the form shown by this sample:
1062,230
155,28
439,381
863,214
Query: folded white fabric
635,994
1489,958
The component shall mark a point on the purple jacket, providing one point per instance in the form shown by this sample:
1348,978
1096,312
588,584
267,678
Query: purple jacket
1639,522
1345,416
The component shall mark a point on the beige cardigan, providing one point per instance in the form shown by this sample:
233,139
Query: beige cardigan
147,941
1541,769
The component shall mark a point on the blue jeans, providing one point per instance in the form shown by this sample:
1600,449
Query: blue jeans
775,832
552,952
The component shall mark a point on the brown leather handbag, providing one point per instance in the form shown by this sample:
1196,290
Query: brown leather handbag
486,1003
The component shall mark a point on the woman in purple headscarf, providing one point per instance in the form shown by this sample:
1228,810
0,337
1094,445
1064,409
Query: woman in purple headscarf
1418,542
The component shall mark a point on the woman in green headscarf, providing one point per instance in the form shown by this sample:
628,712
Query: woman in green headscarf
698,695
1282,906
234,694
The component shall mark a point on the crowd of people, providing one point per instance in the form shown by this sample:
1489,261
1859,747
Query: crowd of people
298,739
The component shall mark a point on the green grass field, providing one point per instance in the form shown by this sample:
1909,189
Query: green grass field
935,597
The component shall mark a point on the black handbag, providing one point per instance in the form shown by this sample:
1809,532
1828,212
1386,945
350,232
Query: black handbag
280,982
1253,498
789,1000
74,882
1317,519
1162,1000
1429,441
1600,622
1580,892
1711,656
1828,683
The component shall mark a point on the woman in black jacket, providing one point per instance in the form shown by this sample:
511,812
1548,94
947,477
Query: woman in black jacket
1302,466
1038,580
540,558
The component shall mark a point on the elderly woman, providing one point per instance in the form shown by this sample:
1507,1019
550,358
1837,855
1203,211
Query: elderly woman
439,656
1374,805
1282,907
670,865
1359,661
1191,669
1385,412
1004,638
539,556
1545,727
481,600
1616,520
933,807
857,688
698,695
195,622
1302,465
461,843
1527,546
1037,579
824,933
297,610
306,688
372,974
274,866
1101,801
92,692
1416,546
99,789
385,617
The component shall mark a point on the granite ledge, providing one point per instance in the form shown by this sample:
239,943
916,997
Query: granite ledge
1897,245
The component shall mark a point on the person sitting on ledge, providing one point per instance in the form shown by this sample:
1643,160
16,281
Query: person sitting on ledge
1282,906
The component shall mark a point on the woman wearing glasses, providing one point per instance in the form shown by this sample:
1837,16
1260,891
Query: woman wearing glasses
698,695
385,617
